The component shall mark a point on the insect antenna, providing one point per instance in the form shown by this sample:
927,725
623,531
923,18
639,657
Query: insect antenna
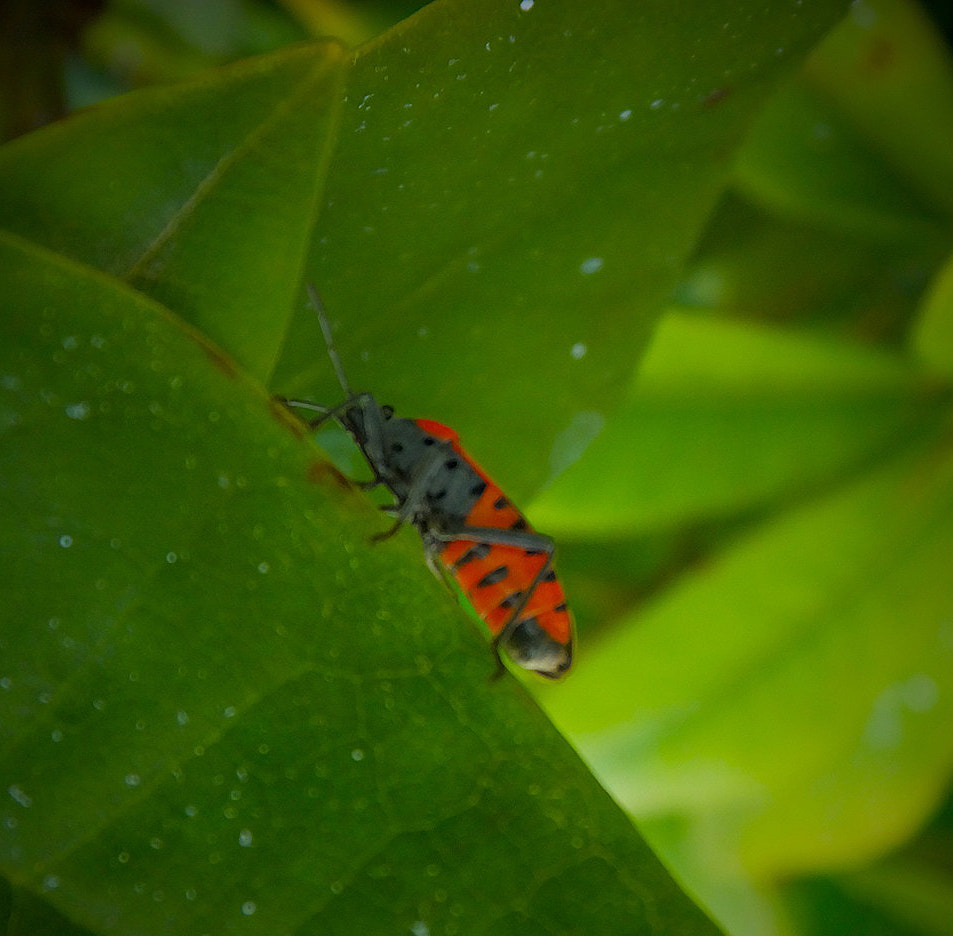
329,339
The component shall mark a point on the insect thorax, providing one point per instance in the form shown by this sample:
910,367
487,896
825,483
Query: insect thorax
450,485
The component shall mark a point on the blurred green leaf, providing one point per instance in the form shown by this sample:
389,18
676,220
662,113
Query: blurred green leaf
726,417
890,73
805,161
906,895
933,335
792,697
754,264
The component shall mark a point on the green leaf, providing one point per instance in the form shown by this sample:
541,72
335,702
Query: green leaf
933,336
727,417
889,70
203,194
233,710
518,274
754,264
805,161
791,701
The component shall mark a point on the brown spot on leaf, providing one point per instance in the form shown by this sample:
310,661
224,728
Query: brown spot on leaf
286,417
717,96
881,56
220,359
322,472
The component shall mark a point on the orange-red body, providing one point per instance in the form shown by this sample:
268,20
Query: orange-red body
494,603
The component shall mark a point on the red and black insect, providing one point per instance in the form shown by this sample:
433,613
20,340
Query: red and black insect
470,530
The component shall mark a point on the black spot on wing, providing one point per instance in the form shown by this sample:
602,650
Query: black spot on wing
512,600
477,551
494,577
500,503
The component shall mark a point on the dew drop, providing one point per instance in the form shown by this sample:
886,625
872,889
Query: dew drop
19,797
78,410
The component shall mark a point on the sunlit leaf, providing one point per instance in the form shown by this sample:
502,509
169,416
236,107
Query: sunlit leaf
726,417
793,698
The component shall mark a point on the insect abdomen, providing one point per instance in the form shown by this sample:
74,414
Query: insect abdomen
496,578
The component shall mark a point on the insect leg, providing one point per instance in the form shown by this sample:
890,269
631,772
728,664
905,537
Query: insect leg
334,412
416,496
507,628
302,404
329,412
529,541
522,539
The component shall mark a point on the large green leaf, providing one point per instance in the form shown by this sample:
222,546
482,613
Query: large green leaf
514,280
203,195
512,189
221,705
